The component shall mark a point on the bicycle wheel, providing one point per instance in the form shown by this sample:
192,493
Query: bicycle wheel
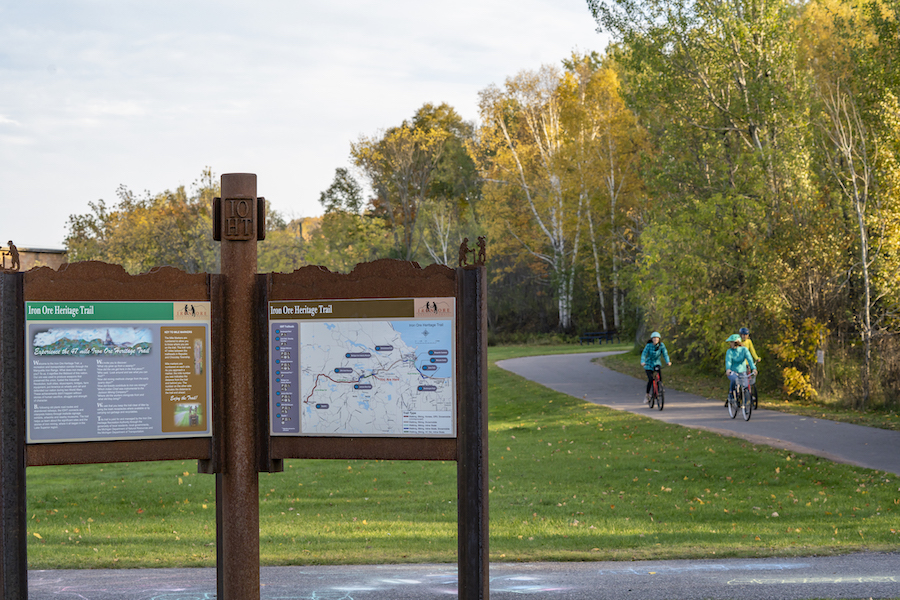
652,398
746,405
732,405
662,396
755,396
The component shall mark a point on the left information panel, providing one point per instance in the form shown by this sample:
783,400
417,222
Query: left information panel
101,371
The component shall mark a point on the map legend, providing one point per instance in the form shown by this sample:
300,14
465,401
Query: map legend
285,384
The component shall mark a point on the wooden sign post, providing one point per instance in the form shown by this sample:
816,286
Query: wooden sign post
241,218
223,355
13,518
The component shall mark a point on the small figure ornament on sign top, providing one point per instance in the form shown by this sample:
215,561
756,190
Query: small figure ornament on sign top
478,256
13,257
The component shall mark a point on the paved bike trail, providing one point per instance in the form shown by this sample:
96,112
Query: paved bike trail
576,375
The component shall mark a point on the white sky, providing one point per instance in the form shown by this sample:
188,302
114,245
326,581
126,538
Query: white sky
98,93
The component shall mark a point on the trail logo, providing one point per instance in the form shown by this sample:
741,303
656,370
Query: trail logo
429,308
192,311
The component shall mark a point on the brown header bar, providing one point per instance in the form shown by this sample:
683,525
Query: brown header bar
342,309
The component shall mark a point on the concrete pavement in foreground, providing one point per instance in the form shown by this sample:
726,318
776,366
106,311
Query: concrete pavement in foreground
576,375
869,575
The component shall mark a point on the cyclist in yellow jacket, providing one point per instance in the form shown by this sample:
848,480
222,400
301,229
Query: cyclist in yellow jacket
747,343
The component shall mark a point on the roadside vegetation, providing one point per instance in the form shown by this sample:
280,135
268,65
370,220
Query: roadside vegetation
688,377
569,481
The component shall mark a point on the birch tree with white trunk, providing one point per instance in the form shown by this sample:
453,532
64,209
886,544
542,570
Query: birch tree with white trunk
520,151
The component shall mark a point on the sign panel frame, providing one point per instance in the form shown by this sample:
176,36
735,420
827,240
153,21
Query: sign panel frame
148,378
389,362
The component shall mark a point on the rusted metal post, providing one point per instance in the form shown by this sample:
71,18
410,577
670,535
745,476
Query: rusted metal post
237,485
13,534
472,471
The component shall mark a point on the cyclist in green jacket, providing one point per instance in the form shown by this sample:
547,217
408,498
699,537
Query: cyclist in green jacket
650,360
737,361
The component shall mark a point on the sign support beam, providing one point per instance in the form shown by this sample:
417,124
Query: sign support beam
13,520
472,444
237,484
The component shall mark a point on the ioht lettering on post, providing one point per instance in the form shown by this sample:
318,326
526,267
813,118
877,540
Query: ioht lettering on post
237,219
238,222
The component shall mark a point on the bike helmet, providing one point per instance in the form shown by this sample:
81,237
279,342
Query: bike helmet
733,338
744,331
655,334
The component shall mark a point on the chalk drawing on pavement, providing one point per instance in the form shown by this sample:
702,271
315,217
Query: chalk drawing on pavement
816,580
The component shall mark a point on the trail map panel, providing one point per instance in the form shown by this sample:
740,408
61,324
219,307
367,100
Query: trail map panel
102,371
363,367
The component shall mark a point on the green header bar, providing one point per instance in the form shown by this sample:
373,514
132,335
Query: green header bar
99,311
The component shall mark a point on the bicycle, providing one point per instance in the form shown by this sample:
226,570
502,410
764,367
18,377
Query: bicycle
740,398
752,388
753,395
657,391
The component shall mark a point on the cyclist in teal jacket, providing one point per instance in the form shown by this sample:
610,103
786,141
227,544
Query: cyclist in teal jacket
650,360
737,361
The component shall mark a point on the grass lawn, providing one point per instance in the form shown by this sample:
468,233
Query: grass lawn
569,481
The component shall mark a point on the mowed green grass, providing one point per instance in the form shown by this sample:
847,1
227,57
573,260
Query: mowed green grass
568,481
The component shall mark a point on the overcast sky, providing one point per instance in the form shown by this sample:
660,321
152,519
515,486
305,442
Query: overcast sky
98,93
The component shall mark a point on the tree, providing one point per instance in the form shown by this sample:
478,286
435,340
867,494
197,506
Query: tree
450,211
400,165
346,235
717,87
284,249
344,193
520,151
604,144
858,118
174,229
170,228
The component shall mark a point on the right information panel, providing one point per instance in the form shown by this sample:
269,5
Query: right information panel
372,367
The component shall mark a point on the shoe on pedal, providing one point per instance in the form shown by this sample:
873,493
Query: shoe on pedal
646,398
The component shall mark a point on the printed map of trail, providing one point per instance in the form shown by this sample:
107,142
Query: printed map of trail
377,378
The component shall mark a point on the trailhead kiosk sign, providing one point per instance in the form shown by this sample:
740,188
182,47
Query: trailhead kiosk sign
101,371
383,367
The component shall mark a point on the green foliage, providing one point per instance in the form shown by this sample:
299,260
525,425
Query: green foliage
344,239
699,302
423,180
344,194
170,228
283,250
798,345
691,179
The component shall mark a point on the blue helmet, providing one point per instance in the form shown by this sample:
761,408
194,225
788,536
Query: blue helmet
744,331
655,334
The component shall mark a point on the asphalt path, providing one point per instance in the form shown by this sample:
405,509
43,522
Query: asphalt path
871,575
864,575
576,375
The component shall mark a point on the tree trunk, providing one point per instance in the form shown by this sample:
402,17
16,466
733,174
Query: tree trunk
597,270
